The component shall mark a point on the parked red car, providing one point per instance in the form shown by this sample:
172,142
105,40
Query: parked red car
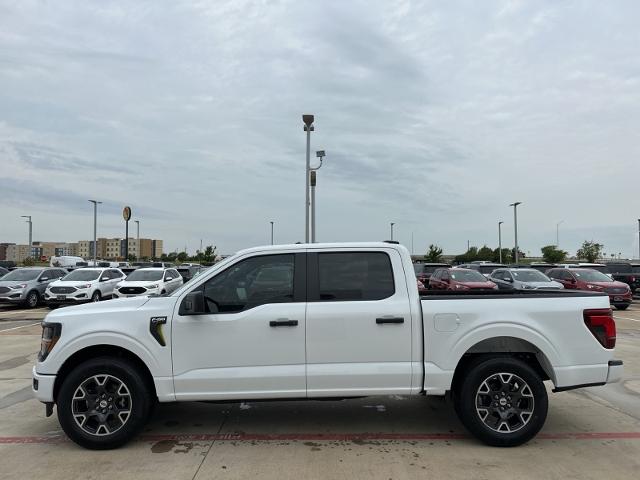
620,295
460,279
423,271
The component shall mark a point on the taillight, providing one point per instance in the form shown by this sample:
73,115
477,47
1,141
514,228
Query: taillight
601,324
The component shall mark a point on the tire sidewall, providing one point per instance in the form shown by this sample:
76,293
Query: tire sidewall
466,401
96,296
30,295
140,399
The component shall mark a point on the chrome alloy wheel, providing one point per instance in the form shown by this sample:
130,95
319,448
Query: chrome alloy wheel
101,405
504,402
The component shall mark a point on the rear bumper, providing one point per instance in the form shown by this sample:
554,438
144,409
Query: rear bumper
613,371
616,369
42,386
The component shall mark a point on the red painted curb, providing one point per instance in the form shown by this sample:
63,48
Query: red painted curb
344,437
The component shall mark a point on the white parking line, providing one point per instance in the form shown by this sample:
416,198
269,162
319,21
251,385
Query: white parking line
21,326
626,318
22,312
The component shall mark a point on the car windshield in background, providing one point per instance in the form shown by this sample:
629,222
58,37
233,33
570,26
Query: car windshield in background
20,275
620,268
599,268
486,268
465,275
145,275
82,276
635,268
591,275
529,276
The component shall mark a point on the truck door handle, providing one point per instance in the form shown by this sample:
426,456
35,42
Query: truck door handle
389,320
283,323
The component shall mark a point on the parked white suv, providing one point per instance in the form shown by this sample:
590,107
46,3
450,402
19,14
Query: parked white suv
148,281
83,285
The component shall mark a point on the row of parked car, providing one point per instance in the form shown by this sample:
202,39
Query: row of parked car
484,276
54,286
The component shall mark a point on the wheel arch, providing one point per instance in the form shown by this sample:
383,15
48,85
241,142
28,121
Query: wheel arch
102,350
504,346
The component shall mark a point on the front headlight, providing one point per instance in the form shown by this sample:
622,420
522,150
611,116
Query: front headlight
151,287
528,287
19,287
50,336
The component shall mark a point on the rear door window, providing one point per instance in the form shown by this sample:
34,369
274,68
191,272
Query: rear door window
354,276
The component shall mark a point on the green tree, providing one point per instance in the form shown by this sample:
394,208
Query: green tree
434,254
209,254
590,251
553,254
182,257
485,253
29,262
506,255
131,258
469,256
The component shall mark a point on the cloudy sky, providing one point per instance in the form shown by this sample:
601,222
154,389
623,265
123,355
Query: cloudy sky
434,115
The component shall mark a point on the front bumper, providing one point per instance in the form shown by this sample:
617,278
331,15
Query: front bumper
71,299
15,296
42,386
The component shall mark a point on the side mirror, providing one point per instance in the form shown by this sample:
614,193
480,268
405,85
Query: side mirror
168,279
44,279
510,280
104,279
193,304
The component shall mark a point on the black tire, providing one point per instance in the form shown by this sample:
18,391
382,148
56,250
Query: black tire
622,307
505,424
32,300
96,297
135,398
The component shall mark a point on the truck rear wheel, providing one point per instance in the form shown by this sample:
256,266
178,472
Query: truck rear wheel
502,402
103,403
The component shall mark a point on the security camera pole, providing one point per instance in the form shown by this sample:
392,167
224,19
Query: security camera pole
308,127
320,154
515,227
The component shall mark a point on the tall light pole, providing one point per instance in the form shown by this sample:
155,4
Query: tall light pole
500,240
639,238
271,232
515,227
558,233
95,230
391,224
137,239
308,127
28,217
313,180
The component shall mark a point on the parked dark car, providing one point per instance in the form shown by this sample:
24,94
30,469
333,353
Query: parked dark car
620,295
423,271
3,272
460,279
187,272
626,272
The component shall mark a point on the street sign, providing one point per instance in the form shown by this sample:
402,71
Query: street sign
126,213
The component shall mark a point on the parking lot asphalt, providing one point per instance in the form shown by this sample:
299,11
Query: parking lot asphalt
590,433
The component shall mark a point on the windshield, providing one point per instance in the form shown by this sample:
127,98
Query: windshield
82,276
145,275
599,268
620,268
487,268
591,276
464,275
529,276
21,274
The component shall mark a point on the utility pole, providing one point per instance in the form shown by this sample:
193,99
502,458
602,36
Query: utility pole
28,217
137,239
500,240
308,127
391,224
271,232
639,239
558,233
515,227
95,230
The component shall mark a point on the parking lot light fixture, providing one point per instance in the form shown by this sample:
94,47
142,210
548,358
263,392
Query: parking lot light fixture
515,228
28,217
271,232
391,224
95,230
500,240
639,239
558,233
138,239
313,182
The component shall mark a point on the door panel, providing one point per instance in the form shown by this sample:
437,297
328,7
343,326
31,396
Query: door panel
237,353
349,351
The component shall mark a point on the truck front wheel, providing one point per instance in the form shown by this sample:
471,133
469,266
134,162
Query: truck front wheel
103,403
502,401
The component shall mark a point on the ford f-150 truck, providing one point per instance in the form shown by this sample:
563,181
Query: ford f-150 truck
321,320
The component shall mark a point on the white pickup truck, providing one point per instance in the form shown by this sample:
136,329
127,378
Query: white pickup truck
321,320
